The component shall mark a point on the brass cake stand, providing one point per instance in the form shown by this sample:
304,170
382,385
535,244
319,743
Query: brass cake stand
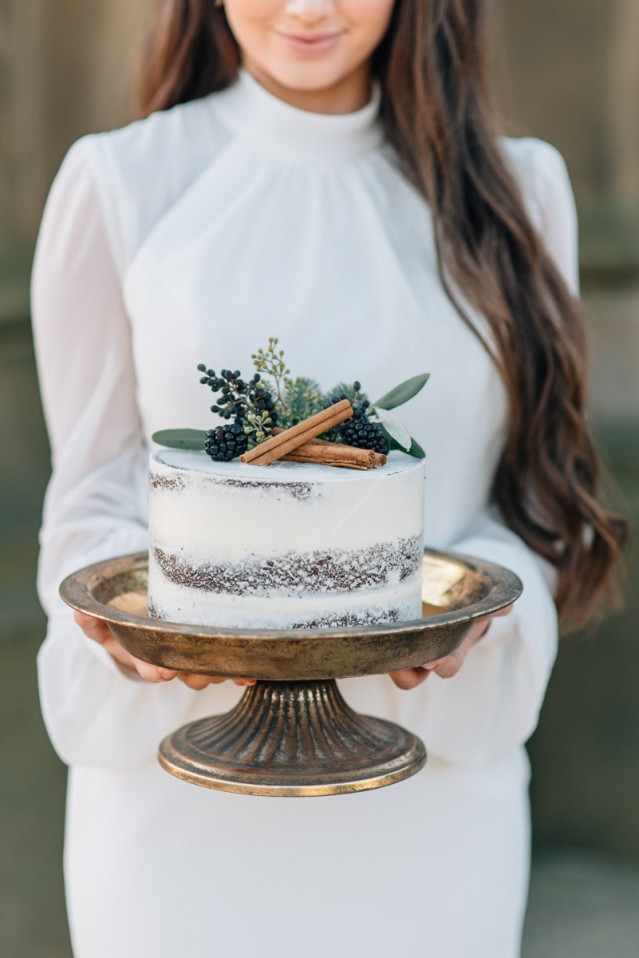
292,733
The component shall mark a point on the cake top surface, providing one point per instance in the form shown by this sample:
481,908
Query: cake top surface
280,472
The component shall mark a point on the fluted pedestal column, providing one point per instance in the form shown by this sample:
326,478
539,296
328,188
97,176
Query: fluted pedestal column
292,738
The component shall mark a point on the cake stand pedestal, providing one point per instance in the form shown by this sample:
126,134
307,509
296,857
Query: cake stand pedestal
292,738
292,733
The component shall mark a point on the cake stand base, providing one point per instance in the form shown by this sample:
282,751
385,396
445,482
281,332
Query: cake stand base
292,739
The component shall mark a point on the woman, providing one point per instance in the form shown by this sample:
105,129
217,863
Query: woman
328,172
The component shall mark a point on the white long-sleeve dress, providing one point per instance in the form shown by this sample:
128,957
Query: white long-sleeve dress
193,236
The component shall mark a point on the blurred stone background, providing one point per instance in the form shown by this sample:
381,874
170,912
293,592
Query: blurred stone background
566,71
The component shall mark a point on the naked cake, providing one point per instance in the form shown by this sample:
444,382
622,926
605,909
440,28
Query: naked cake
284,546
290,512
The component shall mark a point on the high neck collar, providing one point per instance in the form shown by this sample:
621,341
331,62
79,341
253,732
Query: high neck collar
250,109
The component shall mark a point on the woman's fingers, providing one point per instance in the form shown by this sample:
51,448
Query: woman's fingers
152,673
99,632
199,682
146,671
410,678
445,668
93,628
449,665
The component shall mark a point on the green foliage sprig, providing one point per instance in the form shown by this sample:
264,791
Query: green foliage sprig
303,398
295,399
392,426
271,362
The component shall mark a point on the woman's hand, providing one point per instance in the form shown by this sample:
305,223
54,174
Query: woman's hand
99,632
449,665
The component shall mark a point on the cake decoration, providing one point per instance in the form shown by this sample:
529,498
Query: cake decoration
296,544
272,416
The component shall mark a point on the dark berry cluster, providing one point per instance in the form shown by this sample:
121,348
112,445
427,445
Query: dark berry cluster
248,402
358,431
226,442
337,395
236,396
361,432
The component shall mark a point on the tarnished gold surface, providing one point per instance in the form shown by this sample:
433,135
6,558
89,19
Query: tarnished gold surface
296,739
292,733
457,590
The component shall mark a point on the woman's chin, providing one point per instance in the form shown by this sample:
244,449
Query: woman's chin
312,74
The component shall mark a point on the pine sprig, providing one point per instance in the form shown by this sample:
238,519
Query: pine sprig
303,398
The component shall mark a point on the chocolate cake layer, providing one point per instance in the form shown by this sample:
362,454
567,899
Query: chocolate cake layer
298,573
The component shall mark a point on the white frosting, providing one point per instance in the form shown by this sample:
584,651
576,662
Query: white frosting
199,607
288,544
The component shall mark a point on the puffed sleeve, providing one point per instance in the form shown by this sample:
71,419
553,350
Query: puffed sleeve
547,192
492,705
96,499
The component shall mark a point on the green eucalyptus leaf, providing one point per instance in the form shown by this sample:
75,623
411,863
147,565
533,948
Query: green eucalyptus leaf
415,449
392,444
180,438
395,427
402,393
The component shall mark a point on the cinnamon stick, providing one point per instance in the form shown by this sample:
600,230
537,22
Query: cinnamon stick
314,442
336,454
311,442
290,439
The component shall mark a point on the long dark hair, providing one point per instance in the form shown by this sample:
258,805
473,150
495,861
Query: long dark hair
436,113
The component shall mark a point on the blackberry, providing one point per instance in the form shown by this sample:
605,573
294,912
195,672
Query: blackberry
226,442
361,432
